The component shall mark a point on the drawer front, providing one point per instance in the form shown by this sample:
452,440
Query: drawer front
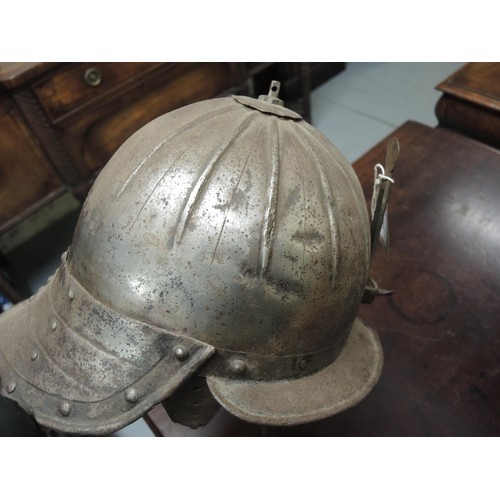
80,84
26,176
92,139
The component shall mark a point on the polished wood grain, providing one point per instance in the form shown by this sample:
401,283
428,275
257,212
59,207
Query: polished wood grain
26,175
441,329
471,102
16,74
48,137
91,135
477,82
65,90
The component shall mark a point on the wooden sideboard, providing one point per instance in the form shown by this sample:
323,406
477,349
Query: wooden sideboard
471,102
70,118
27,176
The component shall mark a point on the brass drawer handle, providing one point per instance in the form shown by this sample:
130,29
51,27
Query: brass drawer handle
92,77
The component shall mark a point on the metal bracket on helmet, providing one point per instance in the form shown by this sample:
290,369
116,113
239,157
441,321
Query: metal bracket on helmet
372,290
382,196
380,200
272,96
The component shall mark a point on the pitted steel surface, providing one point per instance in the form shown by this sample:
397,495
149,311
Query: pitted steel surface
227,239
98,371
229,224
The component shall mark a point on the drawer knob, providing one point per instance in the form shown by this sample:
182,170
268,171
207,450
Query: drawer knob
92,77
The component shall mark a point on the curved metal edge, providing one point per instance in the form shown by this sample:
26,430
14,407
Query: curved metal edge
115,412
267,107
336,388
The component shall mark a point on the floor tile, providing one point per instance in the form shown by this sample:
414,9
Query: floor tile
351,132
389,92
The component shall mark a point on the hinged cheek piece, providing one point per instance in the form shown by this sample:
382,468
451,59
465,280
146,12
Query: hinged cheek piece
83,368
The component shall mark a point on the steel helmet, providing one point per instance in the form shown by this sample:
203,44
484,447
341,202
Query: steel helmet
226,241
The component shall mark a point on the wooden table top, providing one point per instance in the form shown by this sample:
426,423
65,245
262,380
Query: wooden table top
441,329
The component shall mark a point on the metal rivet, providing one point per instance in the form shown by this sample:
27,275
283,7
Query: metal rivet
65,409
237,366
11,387
54,325
303,363
181,353
71,295
132,396
34,355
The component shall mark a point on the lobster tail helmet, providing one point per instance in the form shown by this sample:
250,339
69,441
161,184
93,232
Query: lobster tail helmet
228,239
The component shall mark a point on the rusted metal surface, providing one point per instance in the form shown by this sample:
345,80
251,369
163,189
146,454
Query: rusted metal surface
232,229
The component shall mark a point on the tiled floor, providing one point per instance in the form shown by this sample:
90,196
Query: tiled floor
366,102
355,110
